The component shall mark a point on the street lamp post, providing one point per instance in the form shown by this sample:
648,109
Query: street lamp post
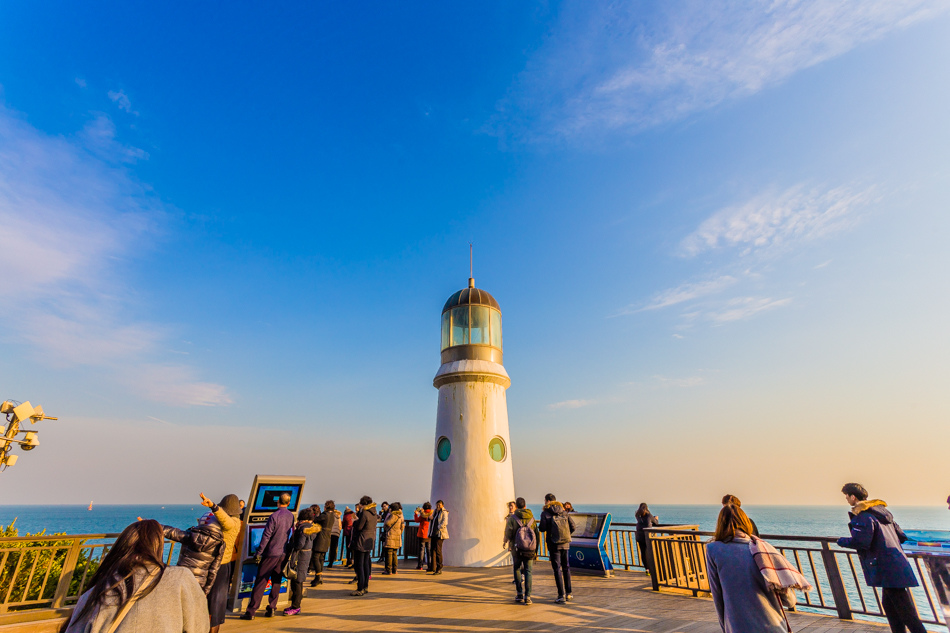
17,414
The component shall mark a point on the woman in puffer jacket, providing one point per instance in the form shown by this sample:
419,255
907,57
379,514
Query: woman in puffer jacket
301,552
392,537
201,549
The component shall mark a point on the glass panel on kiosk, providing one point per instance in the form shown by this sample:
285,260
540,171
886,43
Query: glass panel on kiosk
269,494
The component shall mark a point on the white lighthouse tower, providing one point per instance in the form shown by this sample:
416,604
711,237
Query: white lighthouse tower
471,469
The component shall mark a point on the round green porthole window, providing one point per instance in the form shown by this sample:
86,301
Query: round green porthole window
496,448
443,449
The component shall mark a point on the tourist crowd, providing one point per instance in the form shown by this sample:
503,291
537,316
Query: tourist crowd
134,590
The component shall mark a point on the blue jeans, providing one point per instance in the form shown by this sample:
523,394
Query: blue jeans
521,563
562,571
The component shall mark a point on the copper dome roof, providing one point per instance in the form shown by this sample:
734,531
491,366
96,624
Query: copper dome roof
471,296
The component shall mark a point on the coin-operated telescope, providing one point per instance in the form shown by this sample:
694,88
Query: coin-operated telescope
16,414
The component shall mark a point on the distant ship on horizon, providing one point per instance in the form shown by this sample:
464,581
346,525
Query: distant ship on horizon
90,506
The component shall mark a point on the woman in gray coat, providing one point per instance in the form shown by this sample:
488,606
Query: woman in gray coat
743,601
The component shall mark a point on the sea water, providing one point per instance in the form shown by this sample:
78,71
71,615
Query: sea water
789,520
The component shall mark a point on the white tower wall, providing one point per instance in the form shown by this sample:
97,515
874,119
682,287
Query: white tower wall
475,488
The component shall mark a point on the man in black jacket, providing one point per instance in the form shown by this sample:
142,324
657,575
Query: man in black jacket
364,539
557,525
321,545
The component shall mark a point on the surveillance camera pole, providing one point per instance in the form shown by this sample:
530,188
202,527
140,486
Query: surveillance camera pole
15,414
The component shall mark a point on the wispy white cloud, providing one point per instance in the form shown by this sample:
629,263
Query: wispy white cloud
80,82
71,219
571,404
121,100
99,137
684,292
745,307
627,66
775,219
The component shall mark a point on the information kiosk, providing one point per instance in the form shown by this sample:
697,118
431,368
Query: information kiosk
262,502
589,543
933,546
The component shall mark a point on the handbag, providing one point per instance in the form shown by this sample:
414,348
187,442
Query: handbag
290,567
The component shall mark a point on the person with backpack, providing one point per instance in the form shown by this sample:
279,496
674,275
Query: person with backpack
201,549
878,538
558,526
522,536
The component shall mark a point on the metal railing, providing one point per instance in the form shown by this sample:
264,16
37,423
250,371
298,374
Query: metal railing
678,561
51,572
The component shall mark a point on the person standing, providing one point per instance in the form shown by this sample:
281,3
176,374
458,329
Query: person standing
645,520
423,516
201,549
270,558
512,508
132,584
227,514
743,600
392,538
301,551
364,539
324,522
334,555
349,517
734,500
878,538
522,537
558,526
439,532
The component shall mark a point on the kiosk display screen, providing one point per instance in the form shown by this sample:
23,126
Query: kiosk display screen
267,495
254,533
588,525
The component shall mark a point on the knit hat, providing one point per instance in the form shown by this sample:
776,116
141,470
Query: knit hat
231,505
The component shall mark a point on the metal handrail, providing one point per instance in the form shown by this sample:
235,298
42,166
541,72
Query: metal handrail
679,562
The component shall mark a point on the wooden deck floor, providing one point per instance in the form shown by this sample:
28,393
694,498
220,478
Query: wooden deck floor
482,600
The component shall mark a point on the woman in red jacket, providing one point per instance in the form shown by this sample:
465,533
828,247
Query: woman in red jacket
423,515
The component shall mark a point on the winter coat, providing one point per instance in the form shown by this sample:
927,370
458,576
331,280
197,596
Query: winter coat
325,523
392,530
201,548
364,529
512,527
349,517
878,538
302,543
423,517
230,528
644,522
439,524
276,534
743,601
176,605
551,510
336,524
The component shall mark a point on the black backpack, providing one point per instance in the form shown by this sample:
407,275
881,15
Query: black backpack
560,530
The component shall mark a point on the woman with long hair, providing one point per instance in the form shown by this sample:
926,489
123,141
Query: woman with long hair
644,520
134,592
743,600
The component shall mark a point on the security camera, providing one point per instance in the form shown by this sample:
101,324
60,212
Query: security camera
30,442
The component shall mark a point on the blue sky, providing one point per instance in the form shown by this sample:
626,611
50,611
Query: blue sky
717,234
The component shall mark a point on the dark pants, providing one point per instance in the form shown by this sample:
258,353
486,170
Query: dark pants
522,565
391,556
218,597
334,541
363,566
562,571
642,547
900,610
269,569
348,549
425,552
435,562
296,592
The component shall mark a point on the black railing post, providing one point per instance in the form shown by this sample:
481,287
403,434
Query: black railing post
835,581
